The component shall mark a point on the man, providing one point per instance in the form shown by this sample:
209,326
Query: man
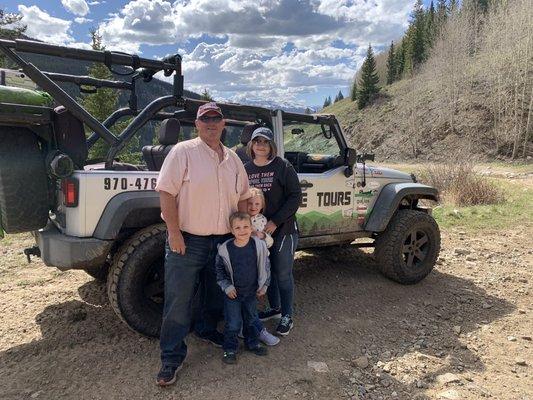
201,184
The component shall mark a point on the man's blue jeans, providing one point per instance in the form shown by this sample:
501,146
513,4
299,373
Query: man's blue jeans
183,275
281,290
238,312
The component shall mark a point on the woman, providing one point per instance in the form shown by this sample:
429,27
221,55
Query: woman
279,182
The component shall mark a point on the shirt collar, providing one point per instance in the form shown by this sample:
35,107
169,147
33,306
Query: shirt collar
212,152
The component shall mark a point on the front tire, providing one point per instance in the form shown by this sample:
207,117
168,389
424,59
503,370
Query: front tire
408,249
135,284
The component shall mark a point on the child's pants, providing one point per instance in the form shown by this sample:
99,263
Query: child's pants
235,311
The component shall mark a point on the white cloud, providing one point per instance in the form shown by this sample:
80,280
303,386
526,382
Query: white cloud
272,48
82,20
45,27
95,3
77,7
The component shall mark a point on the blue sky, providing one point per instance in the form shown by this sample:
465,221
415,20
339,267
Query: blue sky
287,52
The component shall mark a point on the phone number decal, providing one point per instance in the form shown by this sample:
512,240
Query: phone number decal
125,183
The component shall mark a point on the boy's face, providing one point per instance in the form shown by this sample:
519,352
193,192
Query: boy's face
241,229
255,204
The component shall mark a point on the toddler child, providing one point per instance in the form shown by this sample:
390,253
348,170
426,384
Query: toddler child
243,273
256,204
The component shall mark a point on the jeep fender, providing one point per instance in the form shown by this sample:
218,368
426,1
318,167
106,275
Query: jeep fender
136,209
389,200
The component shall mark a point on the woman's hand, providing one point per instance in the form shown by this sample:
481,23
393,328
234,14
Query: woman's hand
232,294
270,227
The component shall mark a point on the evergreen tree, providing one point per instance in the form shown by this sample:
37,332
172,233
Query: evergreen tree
101,104
339,96
453,7
14,31
416,38
206,95
327,102
369,79
391,65
430,26
399,59
353,92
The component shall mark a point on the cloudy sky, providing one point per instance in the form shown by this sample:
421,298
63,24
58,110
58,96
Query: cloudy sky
290,52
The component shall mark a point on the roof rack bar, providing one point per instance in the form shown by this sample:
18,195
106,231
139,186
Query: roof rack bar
117,58
88,81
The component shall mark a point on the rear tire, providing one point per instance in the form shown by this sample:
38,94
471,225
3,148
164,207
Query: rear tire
24,201
135,284
408,249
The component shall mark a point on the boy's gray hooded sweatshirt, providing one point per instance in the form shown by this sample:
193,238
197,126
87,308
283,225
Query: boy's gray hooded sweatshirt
225,270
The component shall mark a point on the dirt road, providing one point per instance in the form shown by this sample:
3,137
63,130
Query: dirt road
462,333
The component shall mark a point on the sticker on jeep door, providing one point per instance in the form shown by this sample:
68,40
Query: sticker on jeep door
129,183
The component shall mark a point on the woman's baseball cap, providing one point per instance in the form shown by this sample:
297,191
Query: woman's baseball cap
263,132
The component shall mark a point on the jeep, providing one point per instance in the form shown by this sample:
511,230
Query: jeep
103,216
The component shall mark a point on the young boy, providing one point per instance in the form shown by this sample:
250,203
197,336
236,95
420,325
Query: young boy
243,273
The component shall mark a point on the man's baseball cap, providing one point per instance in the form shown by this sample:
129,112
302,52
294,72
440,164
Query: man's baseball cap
205,108
263,132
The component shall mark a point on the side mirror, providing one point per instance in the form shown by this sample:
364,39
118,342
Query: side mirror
350,157
297,131
365,157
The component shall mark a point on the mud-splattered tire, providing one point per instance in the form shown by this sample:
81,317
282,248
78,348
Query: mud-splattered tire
408,249
135,284
23,181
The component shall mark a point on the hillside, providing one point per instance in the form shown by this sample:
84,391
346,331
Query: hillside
472,97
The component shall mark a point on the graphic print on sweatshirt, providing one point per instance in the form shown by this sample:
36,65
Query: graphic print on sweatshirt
262,180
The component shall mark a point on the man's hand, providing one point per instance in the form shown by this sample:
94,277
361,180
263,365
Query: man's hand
176,242
232,294
270,227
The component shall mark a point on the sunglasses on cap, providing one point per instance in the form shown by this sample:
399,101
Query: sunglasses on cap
214,118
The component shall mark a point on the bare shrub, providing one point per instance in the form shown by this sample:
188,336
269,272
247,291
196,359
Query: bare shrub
459,184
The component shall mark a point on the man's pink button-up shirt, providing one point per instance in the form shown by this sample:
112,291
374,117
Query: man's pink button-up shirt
206,190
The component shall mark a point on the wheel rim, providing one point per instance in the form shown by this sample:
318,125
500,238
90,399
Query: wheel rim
154,284
415,248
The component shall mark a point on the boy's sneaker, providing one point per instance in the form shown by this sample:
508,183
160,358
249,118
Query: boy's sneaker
269,313
267,338
216,338
229,357
285,325
258,350
167,374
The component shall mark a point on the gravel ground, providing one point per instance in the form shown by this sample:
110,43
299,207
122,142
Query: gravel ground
463,333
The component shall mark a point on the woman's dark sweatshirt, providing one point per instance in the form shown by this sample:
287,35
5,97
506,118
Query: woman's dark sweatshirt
283,194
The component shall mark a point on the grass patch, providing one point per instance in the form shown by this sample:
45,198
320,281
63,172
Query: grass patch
516,209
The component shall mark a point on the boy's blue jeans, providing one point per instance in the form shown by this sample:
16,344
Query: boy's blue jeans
238,312
183,275
281,290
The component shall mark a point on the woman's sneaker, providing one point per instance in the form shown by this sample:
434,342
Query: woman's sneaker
285,325
267,338
269,313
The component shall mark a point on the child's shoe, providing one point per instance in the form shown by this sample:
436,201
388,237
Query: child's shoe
285,325
258,350
229,357
267,338
269,313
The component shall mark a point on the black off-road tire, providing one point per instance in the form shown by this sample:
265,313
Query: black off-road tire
135,284
23,181
396,247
